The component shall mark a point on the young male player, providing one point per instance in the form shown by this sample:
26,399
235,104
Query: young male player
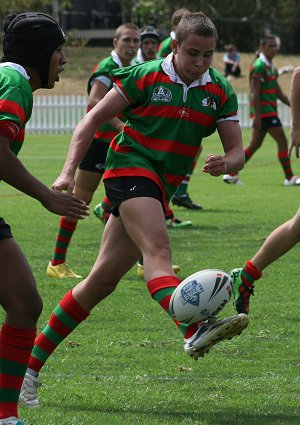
144,165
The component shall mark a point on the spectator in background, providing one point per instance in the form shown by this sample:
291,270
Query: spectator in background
232,59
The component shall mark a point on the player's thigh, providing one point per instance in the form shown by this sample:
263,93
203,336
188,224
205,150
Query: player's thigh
278,134
295,223
257,137
117,254
144,221
86,183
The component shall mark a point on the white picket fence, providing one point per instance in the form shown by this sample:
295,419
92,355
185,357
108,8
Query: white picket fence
60,114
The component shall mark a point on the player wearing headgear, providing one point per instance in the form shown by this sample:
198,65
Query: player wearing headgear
149,45
33,58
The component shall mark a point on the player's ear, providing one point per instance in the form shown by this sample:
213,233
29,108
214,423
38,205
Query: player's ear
115,42
174,46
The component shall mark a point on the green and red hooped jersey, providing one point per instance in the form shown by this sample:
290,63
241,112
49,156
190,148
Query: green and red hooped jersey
16,101
166,121
268,75
165,47
106,132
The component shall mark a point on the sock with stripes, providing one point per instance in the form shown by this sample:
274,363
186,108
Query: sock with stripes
250,274
106,204
15,348
161,290
65,233
66,316
285,163
182,188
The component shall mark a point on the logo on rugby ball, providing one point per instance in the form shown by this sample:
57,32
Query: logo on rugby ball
190,293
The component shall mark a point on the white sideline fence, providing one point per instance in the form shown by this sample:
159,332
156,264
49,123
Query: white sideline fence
60,114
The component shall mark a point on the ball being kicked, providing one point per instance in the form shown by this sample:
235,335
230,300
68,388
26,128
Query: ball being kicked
201,296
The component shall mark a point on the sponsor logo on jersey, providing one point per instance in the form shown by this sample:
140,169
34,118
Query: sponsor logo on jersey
190,293
161,94
210,103
184,113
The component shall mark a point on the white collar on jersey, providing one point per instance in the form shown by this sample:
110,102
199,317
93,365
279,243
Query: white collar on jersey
173,35
263,58
17,67
117,59
169,69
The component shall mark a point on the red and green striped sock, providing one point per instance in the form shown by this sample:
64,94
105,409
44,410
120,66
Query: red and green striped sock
161,290
66,316
250,273
15,348
65,233
182,188
285,163
106,204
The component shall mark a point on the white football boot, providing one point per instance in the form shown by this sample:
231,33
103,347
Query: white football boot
227,178
28,394
294,181
212,332
12,420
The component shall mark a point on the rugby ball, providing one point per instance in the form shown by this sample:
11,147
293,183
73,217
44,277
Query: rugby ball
201,296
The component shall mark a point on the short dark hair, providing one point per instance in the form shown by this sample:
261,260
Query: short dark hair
267,38
195,23
177,15
123,27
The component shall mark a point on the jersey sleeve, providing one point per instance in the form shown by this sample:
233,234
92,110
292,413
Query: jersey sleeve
128,81
258,70
16,106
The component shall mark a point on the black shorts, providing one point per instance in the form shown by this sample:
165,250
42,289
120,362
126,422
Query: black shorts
5,231
120,189
269,122
95,157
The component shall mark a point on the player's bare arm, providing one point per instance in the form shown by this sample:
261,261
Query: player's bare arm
110,106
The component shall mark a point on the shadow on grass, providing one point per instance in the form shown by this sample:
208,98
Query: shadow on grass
223,417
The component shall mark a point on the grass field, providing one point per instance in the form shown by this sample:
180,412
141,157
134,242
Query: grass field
125,365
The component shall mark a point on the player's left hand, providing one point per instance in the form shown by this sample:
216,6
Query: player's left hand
215,165
64,182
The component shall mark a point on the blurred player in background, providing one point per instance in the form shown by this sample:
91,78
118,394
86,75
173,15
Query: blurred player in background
89,174
264,93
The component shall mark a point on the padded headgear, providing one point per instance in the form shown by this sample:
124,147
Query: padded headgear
30,39
149,32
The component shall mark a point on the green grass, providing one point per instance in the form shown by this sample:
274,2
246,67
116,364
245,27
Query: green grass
125,365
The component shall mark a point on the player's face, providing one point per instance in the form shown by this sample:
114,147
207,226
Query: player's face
149,49
126,46
56,66
269,49
193,56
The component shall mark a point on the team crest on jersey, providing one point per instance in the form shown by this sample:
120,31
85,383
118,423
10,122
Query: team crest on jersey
161,94
190,293
210,103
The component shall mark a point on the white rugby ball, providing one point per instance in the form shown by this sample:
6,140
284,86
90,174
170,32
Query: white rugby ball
201,296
